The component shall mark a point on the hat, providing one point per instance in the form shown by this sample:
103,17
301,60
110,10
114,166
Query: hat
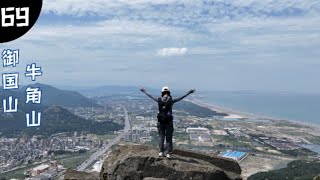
165,88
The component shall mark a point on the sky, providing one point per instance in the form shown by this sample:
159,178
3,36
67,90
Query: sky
269,45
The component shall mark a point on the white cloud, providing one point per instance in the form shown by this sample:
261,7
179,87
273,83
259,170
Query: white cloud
219,32
190,8
139,38
172,51
110,35
269,32
100,7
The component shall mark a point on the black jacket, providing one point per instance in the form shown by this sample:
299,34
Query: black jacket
167,99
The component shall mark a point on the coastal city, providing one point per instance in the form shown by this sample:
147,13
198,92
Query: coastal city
266,143
248,141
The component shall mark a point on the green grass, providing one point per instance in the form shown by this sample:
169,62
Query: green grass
68,161
13,175
190,146
218,136
74,161
296,170
17,174
234,142
106,136
289,124
300,152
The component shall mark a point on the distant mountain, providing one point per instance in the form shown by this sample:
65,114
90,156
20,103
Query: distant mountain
12,123
124,91
53,96
54,120
196,110
110,90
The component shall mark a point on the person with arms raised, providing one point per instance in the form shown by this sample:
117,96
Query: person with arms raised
165,118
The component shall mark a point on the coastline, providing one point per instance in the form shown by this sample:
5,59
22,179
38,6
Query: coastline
249,115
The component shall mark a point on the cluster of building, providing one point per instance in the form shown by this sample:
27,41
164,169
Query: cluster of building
15,152
45,171
105,113
280,143
199,134
74,144
219,132
237,132
139,135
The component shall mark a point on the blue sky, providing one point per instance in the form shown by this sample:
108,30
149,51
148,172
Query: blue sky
210,45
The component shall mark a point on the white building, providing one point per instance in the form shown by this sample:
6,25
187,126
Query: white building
39,169
140,118
197,130
232,117
219,132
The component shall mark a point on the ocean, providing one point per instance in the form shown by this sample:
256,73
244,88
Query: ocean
314,147
292,106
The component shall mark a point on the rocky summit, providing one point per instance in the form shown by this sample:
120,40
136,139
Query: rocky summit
142,162
79,175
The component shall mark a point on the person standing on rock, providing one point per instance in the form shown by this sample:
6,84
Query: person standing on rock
165,118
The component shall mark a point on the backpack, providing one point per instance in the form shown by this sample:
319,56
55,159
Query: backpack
164,115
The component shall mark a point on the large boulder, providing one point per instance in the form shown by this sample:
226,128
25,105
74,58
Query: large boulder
138,162
76,175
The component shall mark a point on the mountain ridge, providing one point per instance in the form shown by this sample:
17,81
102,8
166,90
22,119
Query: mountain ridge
53,96
61,120
55,119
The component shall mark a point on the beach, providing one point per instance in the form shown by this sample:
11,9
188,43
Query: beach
247,115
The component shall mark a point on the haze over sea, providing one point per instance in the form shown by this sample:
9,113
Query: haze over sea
292,106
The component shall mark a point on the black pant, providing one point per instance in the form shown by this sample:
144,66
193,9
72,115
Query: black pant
165,130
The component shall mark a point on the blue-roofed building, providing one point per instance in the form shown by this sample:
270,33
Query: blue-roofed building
235,155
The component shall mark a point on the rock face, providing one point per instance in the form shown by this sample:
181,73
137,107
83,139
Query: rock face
138,162
76,175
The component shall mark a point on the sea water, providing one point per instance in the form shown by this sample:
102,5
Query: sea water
312,147
292,106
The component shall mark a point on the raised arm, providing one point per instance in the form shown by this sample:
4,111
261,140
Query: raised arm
152,97
180,98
